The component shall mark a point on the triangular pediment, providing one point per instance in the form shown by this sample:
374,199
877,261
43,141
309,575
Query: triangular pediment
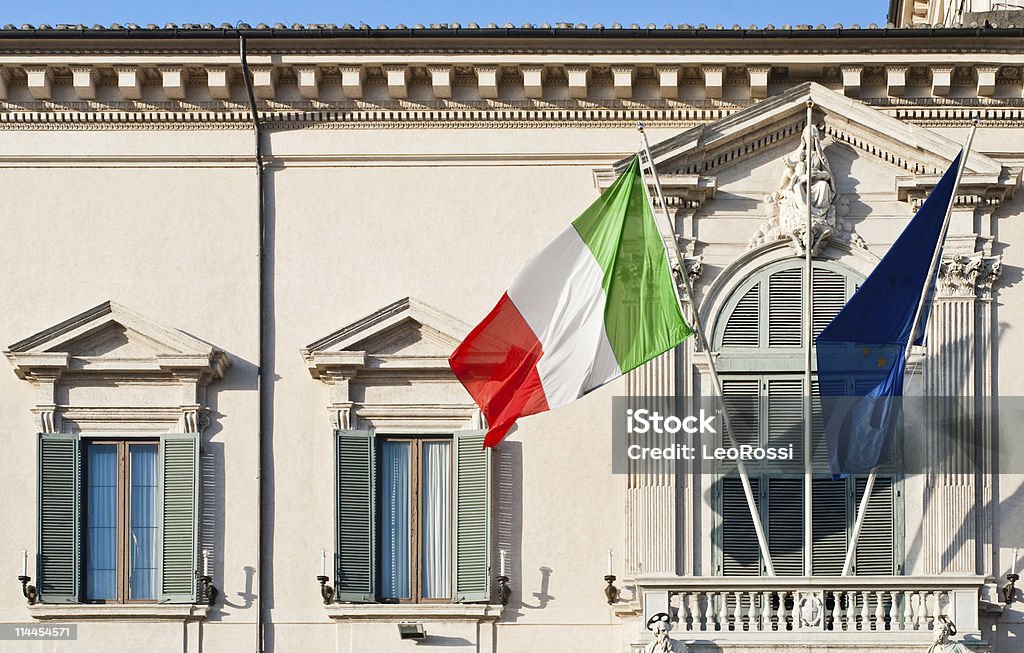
110,337
918,156
407,334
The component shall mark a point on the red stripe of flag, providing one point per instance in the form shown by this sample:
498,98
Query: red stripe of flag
497,363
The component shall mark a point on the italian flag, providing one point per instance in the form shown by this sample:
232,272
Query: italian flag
595,303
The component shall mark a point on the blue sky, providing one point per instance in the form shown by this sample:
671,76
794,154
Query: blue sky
410,12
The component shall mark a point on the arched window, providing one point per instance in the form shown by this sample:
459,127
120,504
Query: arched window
760,345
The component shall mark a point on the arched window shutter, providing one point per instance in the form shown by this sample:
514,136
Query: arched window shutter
877,542
744,326
785,308
740,553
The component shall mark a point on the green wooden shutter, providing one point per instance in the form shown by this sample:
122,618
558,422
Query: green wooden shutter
785,308
829,297
785,525
877,538
829,524
786,420
178,500
355,507
740,553
472,517
57,566
743,328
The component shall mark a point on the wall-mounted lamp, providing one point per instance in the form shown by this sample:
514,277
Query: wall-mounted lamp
326,591
411,631
504,590
1010,588
610,591
209,591
29,591
1012,577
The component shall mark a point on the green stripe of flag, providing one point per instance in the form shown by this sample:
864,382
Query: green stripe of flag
642,316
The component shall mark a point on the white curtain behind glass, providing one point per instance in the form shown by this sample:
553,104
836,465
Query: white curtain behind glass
142,570
101,522
436,535
394,520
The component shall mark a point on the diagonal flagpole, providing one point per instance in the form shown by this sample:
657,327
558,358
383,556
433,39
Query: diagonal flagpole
808,392
936,255
762,541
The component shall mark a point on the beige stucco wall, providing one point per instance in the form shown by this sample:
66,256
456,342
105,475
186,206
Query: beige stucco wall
164,222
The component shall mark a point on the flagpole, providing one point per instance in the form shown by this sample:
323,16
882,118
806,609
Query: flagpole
809,336
702,342
936,256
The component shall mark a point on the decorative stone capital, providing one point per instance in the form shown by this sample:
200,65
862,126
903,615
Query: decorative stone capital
969,276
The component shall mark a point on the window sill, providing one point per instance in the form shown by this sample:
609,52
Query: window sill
414,611
121,612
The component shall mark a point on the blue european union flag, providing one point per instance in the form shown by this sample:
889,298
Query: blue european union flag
861,353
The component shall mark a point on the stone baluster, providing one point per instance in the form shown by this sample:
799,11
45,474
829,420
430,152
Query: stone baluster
737,615
783,612
865,612
752,611
879,623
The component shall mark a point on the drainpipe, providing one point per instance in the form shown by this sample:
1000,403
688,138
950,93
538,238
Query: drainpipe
261,385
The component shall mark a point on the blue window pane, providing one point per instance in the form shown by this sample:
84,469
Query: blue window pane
394,520
142,461
101,522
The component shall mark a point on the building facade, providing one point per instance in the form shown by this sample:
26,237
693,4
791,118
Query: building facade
229,423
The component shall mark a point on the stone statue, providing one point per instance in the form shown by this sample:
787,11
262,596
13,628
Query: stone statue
659,624
786,208
944,629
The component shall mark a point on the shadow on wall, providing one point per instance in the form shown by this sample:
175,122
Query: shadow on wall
213,487
509,536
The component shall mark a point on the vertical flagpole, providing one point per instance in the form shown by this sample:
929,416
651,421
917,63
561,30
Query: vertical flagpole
936,255
702,342
808,381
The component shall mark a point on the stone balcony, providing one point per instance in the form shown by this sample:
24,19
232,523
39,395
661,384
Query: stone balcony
856,613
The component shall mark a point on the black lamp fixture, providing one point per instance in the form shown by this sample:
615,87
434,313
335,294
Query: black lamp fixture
611,593
504,590
209,591
326,591
28,591
1011,586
